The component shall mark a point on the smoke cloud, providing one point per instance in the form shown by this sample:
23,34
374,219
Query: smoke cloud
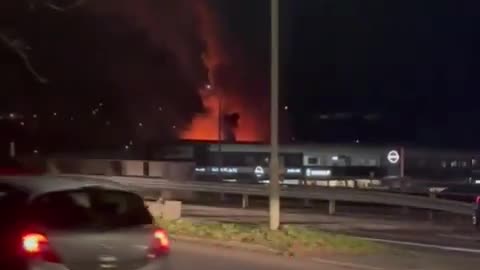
149,63
200,42
158,68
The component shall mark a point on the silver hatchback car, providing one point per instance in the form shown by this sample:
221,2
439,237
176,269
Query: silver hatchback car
53,223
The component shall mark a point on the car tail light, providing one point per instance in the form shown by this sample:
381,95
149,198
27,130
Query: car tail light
162,237
36,245
33,242
160,244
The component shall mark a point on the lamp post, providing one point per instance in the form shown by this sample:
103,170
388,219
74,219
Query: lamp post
274,198
220,132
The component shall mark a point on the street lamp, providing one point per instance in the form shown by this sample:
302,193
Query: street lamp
220,131
274,200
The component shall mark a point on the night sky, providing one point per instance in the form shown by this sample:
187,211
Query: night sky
119,70
412,62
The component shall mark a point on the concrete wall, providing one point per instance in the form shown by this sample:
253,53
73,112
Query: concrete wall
85,166
170,170
160,169
133,168
179,171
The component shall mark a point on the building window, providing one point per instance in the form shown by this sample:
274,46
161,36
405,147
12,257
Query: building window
464,164
293,160
453,164
444,164
312,161
250,161
266,161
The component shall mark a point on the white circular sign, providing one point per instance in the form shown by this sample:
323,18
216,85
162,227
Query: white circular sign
259,171
393,156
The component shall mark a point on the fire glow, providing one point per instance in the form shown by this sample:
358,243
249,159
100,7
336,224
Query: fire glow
205,127
223,95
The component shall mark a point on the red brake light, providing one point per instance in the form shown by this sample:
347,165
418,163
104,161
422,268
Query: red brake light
33,242
160,245
162,237
36,245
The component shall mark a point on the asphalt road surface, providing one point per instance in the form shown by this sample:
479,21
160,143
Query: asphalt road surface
187,256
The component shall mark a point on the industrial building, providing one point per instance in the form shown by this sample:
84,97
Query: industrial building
250,162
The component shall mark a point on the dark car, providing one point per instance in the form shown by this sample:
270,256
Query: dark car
464,193
476,214
50,223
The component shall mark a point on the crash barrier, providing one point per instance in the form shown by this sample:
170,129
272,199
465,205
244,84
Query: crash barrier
151,187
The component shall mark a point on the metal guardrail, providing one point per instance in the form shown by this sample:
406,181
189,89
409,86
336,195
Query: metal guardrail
152,185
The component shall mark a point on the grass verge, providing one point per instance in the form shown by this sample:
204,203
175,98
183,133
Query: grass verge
289,240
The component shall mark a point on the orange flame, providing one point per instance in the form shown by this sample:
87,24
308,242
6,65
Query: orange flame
205,127
217,60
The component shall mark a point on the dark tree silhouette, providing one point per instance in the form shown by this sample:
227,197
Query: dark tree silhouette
13,40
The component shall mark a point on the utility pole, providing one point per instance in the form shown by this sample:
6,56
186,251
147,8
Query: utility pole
274,84
220,132
402,162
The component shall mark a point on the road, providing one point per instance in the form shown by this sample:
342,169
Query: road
186,256
189,256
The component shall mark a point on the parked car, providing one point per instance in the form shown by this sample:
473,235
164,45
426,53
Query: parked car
464,193
476,214
76,224
468,193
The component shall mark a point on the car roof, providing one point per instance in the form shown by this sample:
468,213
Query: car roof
37,185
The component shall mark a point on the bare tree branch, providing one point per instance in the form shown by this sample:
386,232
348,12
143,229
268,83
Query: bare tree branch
20,48
61,8
17,46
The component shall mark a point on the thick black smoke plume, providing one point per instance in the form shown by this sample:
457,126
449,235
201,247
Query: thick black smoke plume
121,70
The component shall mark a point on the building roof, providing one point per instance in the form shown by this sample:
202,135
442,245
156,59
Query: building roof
365,148
295,148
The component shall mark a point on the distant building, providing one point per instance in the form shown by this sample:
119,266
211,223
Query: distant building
329,161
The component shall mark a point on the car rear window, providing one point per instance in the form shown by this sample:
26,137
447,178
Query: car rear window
10,197
90,209
12,202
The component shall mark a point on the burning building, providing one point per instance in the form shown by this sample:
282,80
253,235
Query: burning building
226,119
187,53
231,113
